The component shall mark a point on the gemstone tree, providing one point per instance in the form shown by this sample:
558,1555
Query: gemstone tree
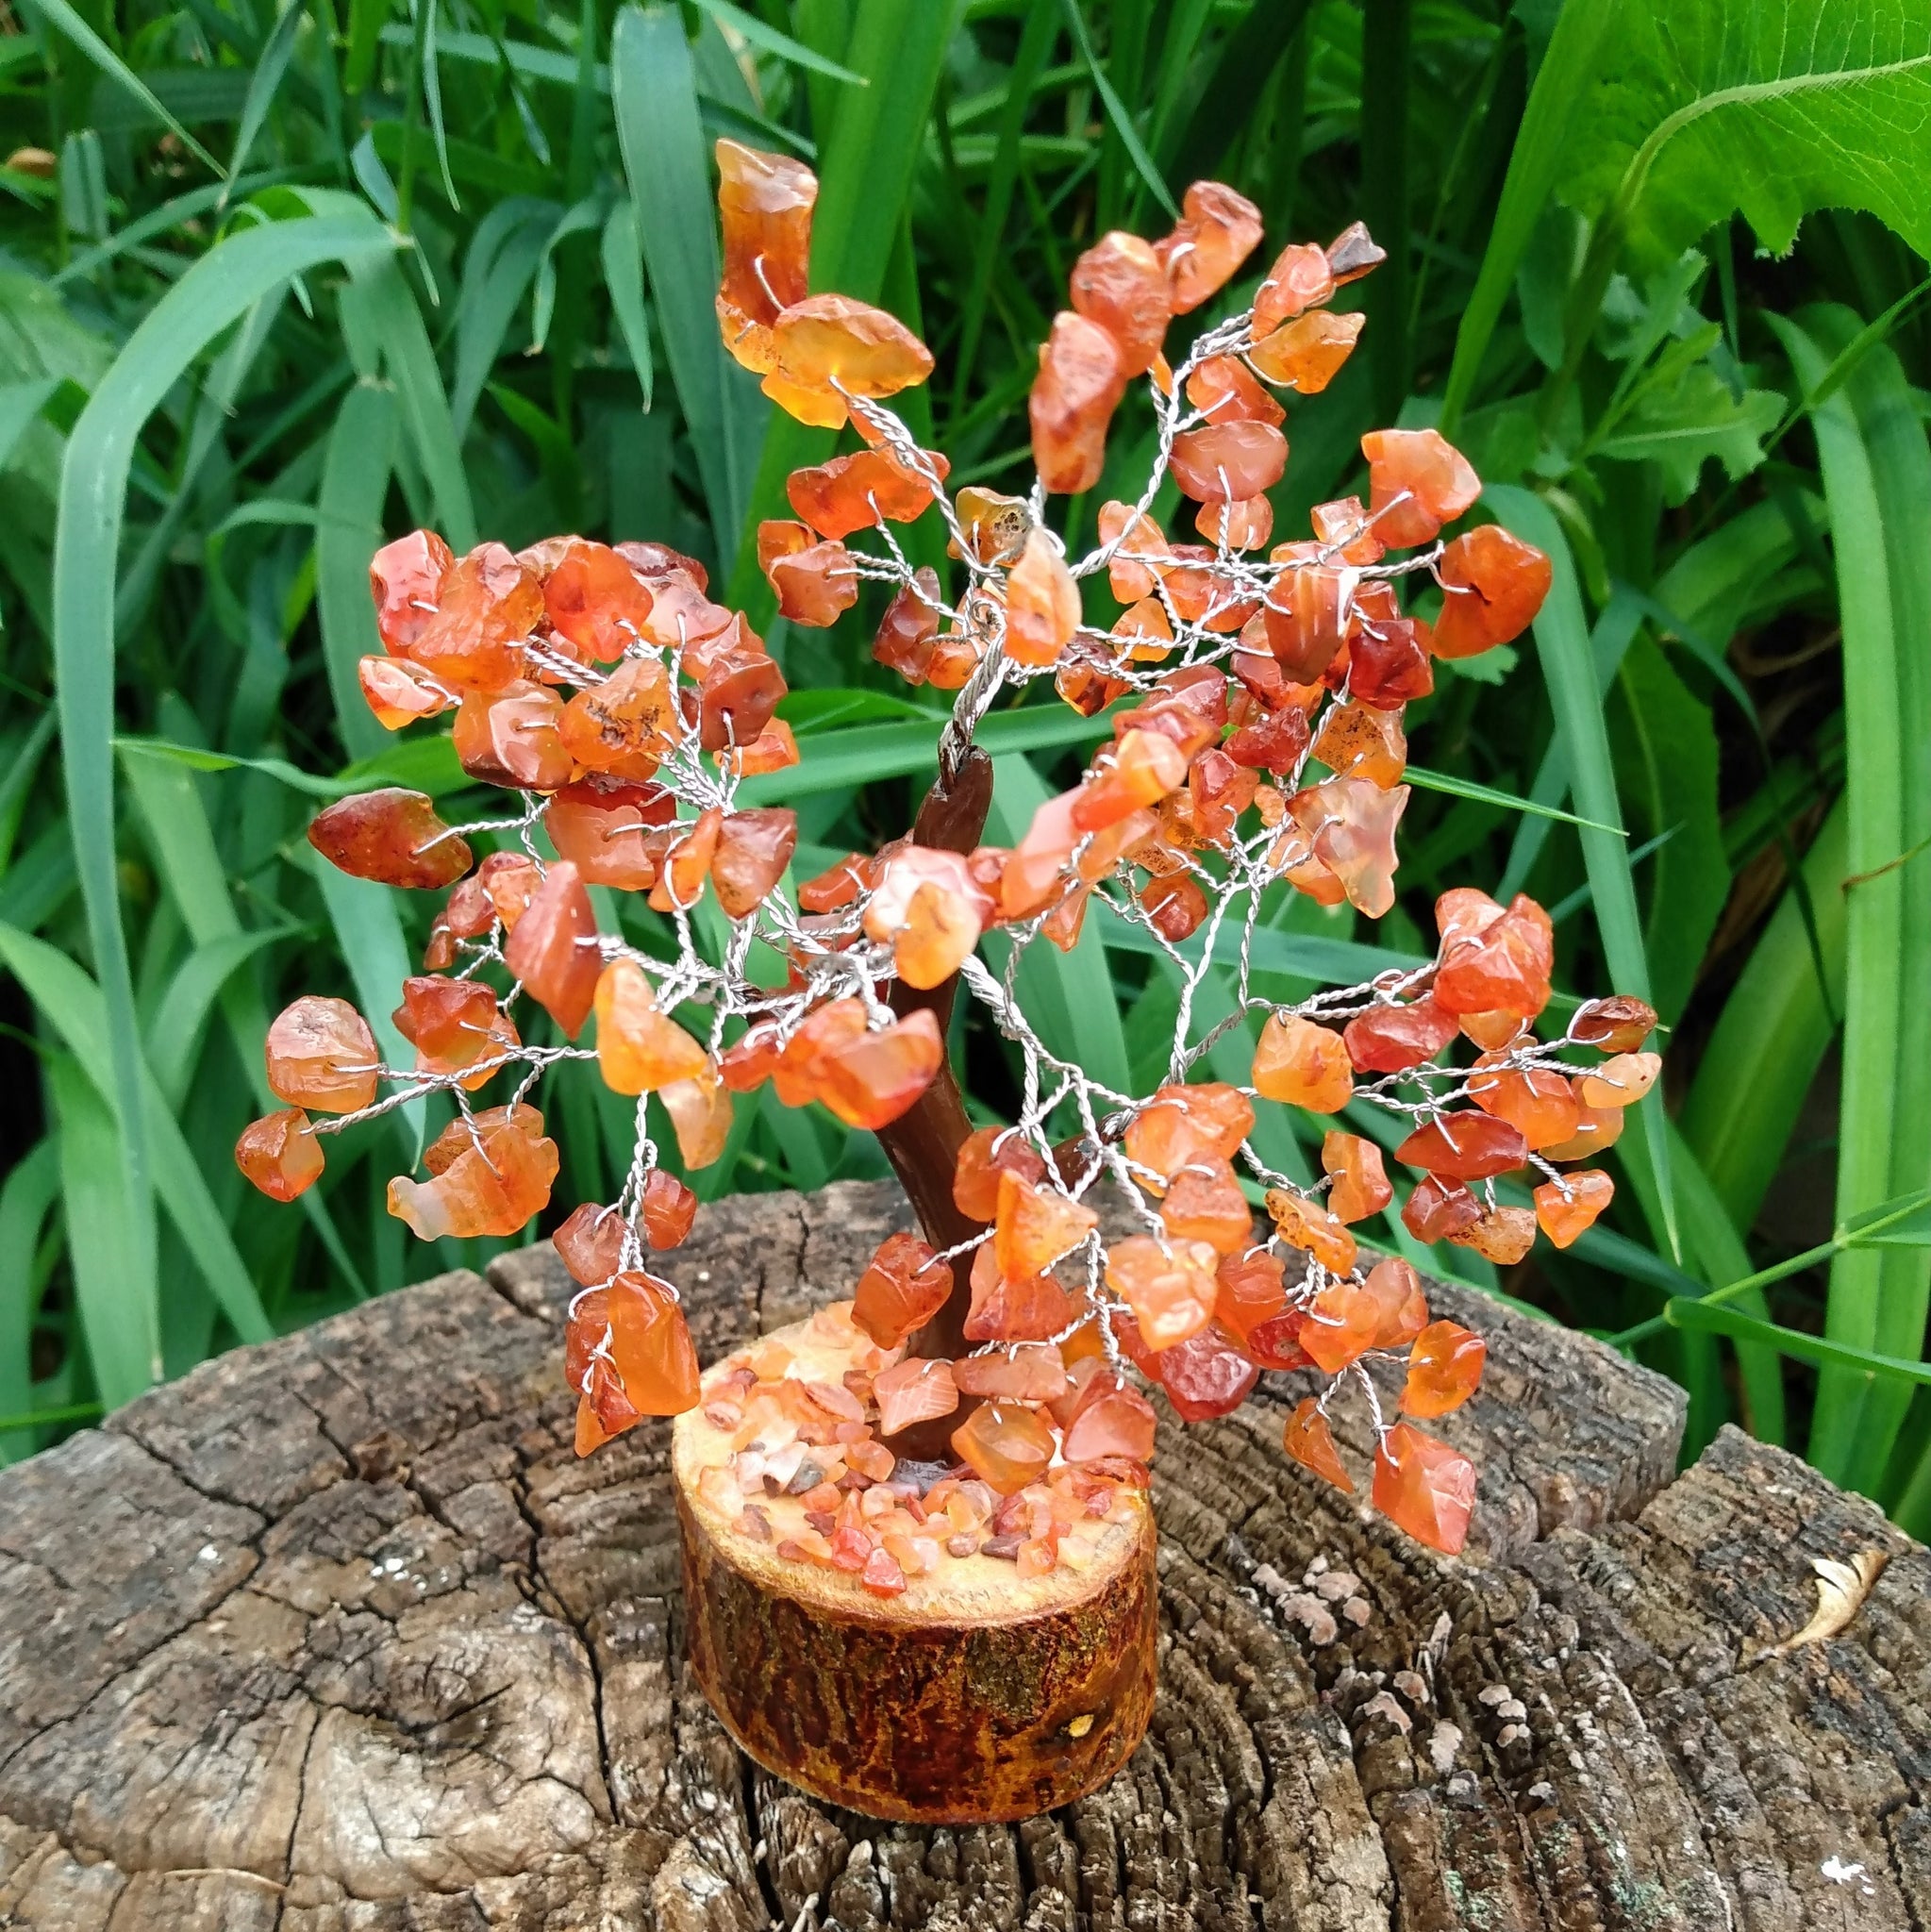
1247,707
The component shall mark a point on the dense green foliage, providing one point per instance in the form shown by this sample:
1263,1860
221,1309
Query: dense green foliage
275,287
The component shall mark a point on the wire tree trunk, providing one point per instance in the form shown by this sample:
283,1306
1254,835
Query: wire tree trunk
337,1635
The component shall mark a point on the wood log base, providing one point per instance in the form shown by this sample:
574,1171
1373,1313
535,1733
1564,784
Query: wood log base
337,1635
976,1696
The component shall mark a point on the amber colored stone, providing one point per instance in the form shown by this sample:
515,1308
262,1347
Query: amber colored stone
701,1115
858,492
764,204
280,1154
1436,1209
399,693
497,1174
1121,284
392,836
1351,824
1302,1064
639,1048
1504,966
1395,1288
1116,1422
1224,390
1219,791
747,1065
927,906
918,1390
1388,1039
1619,1081
452,1024
1249,1290
1417,482
983,1157
1182,1124
651,1346
1387,665
1345,532
1175,907
906,631
1309,1442
815,587
740,692
1216,231
1303,1222
904,1286
623,725
555,951
1465,1147
1020,1372
1034,1226
1031,877
321,1056
1276,742
587,1328
1568,1207
1306,612
1172,1295
1596,1128
1207,1204
590,1243
1361,1186
596,599
602,827
1617,1025
1205,1376
1425,1488
955,654
824,340
1444,1367
1225,462
487,606
1352,253
1042,604
754,848
1134,568
1145,766
686,862
1492,585
1362,743
512,738
1005,1445
870,1080
603,1410
1307,354
1502,1235
833,1023
1031,1308
994,527
1244,525
1538,1100
1073,397
405,580
1299,281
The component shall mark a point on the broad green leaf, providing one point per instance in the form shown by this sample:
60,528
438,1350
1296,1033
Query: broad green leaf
1692,421
1771,109
348,532
223,286
623,262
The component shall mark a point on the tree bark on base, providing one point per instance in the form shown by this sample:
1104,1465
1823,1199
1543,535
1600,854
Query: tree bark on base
335,1635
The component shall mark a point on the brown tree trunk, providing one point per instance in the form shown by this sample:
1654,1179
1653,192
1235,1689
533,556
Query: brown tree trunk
335,1635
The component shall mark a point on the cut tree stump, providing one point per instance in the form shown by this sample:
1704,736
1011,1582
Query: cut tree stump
335,1635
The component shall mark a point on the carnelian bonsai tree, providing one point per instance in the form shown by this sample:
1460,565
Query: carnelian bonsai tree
917,1544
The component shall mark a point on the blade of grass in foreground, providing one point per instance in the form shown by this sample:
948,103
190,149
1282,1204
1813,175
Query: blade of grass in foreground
1847,1442
223,286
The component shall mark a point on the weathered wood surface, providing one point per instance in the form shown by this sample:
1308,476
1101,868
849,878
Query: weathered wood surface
335,1635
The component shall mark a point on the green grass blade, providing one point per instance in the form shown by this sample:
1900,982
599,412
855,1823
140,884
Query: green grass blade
654,92
348,532
119,1322
27,1198
262,87
1069,994
1121,122
68,21
1844,1443
761,34
1562,643
1562,83
623,259
215,292
1863,1363
1467,787
1751,1082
